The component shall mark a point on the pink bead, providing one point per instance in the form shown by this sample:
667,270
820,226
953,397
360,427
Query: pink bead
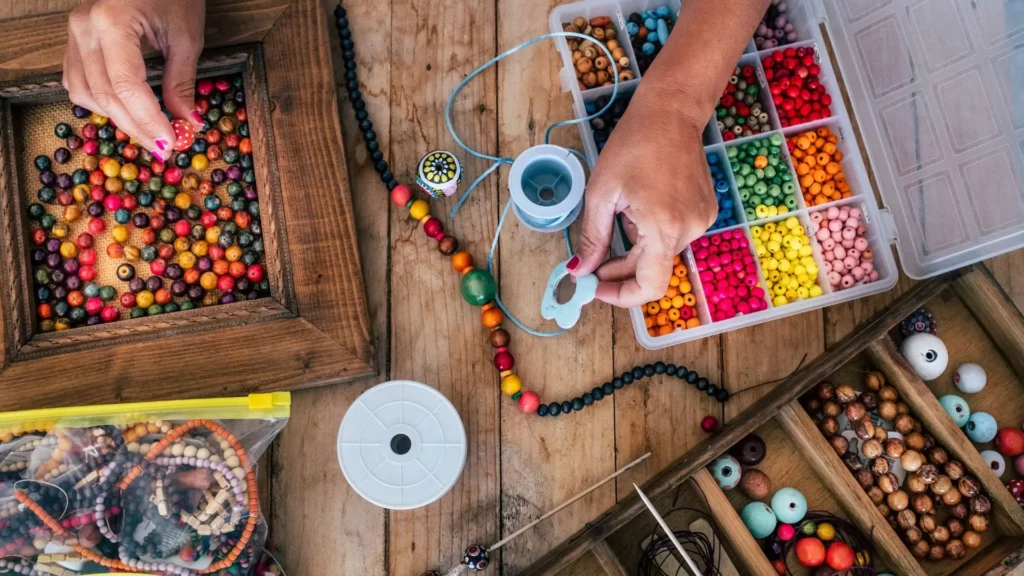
707,276
829,255
840,252
757,292
822,234
701,254
846,244
754,288
849,233
874,275
814,227
833,278
847,281
725,259
852,223
850,262
714,262
837,236
835,225
704,242
853,253
838,266
828,243
844,213
862,231
860,244
827,266
832,213
743,308
855,213
816,217
857,273
867,266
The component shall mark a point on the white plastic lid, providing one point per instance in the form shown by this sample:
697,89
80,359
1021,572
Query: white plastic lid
938,91
401,445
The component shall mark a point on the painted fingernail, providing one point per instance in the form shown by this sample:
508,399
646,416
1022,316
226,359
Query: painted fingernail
573,263
156,154
197,118
161,144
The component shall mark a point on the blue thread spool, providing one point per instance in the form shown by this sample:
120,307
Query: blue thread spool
546,184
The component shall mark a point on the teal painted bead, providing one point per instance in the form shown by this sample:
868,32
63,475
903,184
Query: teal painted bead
957,409
726,471
981,427
478,287
759,519
789,505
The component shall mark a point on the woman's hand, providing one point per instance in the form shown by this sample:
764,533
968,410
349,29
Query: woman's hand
657,176
104,69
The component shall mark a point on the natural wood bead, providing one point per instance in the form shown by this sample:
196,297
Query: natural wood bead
499,337
448,245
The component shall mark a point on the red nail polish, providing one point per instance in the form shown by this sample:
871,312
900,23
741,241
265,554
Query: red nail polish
161,144
197,118
573,263
156,154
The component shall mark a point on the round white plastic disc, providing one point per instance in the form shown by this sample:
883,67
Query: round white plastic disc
401,445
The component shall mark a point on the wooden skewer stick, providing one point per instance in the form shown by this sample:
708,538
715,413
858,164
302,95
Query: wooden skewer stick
561,506
668,531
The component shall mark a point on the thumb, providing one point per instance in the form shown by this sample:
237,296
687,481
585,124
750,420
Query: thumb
182,56
596,235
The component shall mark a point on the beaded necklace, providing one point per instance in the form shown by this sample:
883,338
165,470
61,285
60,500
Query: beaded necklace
477,285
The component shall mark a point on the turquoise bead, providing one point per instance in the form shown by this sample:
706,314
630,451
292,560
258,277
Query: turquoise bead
726,471
478,287
789,505
957,409
759,519
981,427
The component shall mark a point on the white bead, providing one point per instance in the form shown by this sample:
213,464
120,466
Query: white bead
190,451
232,461
995,461
203,453
926,354
970,378
178,449
238,472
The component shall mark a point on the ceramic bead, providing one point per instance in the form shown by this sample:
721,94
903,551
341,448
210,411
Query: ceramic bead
759,519
956,408
970,378
789,505
727,472
750,451
926,354
981,427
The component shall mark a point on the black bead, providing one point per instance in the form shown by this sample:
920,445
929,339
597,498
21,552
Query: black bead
377,156
659,367
362,114
369,135
618,383
354,95
341,22
692,377
588,398
348,44
712,390
351,75
373,146
702,384
366,125
670,369
381,167
542,410
387,176
722,395
348,55
345,33
352,85
359,104
627,378
350,64
638,372
391,184
681,372
577,403
597,394
566,406
608,388
339,11
649,370
554,409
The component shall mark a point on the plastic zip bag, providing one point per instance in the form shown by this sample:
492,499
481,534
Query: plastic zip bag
145,488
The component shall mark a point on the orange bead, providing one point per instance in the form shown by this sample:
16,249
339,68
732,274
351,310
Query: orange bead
666,329
461,260
492,318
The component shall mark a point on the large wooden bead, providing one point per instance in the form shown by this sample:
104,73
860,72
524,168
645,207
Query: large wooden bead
529,401
401,195
478,287
504,361
447,245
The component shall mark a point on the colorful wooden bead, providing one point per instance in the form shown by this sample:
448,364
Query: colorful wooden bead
727,472
491,316
477,286
529,402
419,209
184,134
981,427
759,520
503,361
475,558
709,424
1010,442
750,451
401,195
511,384
462,260
956,408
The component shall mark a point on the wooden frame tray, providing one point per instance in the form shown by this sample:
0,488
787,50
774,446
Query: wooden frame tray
979,311
313,330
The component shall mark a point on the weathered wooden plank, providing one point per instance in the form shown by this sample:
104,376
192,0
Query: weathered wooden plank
996,313
746,551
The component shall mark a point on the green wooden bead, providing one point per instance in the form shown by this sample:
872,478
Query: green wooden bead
478,287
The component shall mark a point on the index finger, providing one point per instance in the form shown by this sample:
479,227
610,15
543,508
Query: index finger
653,270
127,70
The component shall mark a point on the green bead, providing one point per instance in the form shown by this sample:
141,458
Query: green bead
478,287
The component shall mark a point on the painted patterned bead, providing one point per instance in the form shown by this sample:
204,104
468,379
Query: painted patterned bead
477,287
184,134
726,471
475,558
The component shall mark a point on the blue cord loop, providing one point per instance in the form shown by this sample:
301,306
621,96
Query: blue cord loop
497,161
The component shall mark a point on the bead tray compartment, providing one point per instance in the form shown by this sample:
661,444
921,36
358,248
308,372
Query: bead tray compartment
838,123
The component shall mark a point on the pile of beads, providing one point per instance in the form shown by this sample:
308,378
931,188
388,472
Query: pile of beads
592,67
797,91
819,166
677,310
206,243
763,178
728,272
720,181
787,261
648,31
739,111
775,28
844,245
605,123
190,483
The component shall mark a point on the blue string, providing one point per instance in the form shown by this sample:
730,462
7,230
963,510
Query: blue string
497,161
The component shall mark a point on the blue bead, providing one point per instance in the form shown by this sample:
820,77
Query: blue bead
632,28
662,31
759,519
647,48
663,10
652,37
721,186
590,107
789,505
650,24
981,427
957,409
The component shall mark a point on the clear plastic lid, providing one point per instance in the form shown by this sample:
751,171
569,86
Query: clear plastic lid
937,87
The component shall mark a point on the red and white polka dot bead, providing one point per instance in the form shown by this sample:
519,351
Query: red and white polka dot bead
844,245
184,134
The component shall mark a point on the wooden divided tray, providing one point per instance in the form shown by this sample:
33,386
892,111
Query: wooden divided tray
977,322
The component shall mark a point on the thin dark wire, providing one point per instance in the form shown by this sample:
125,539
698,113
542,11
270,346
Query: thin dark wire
776,381
697,544
845,532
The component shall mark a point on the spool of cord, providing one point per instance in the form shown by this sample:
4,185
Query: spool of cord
546,184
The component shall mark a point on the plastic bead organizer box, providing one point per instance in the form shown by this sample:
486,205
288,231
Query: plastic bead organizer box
936,119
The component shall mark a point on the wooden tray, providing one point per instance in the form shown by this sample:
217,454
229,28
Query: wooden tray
313,330
977,322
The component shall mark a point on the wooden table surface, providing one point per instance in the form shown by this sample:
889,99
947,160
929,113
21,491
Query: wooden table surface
411,54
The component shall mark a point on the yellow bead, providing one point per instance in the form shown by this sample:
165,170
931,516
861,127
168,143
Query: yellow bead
186,260
98,119
208,280
144,299
815,291
183,200
233,254
791,294
129,172
200,162
511,384
826,531
60,230
119,234
213,234
756,230
182,244
769,227
68,249
111,168
419,209
780,301
81,193
803,292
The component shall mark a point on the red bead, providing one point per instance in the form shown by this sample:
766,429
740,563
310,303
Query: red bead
184,134
204,87
709,424
84,240
87,257
401,195
529,401
87,273
255,273
182,228
226,283
504,361
112,203
157,267
173,175
129,202
93,305
96,226
128,300
433,227
208,219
